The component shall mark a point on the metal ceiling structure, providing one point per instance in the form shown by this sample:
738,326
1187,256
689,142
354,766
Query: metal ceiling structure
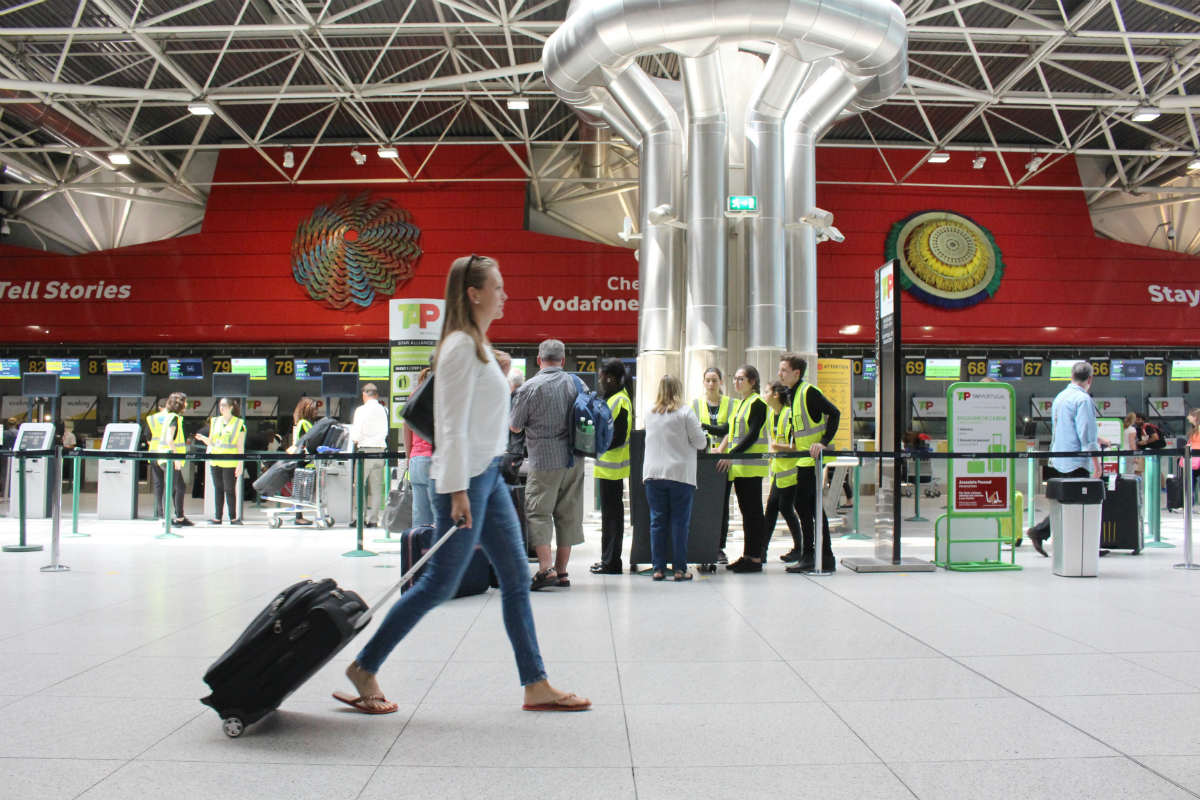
82,79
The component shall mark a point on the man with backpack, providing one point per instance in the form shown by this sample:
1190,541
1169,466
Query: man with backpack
554,489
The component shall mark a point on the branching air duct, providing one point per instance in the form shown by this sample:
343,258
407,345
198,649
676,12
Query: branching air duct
589,62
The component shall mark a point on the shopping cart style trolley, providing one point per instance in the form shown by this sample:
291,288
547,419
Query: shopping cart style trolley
309,482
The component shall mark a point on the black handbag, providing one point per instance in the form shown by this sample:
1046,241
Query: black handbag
418,410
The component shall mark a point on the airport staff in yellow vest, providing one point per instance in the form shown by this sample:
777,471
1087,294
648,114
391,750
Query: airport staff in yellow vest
612,468
814,424
226,436
782,497
166,436
748,434
715,408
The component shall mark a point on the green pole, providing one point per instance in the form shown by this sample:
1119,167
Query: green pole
1154,502
168,497
360,491
916,517
75,472
21,546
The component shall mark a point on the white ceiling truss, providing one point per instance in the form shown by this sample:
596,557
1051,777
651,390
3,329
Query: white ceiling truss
82,78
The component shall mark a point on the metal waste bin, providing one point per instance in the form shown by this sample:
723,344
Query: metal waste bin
1075,511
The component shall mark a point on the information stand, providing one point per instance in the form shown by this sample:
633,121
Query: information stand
116,483
968,537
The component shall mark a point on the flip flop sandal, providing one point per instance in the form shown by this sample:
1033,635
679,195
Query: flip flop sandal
683,576
558,705
658,576
360,703
543,579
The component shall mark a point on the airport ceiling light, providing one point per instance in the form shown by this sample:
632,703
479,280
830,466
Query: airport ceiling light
1194,165
939,158
357,157
978,161
200,109
1033,163
517,103
1145,114
119,158
388,151
289,159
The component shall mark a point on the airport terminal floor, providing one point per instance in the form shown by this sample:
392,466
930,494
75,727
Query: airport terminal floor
935,685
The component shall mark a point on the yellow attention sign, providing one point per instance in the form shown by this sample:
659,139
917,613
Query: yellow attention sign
834,377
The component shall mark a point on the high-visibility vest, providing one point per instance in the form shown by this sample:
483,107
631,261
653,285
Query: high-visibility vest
804,433
613,464
223,438
751,468
165,438
783,470
299,429
724,412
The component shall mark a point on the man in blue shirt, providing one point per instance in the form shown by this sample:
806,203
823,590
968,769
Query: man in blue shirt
1073,426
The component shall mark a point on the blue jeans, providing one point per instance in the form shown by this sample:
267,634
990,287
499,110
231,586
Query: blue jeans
422,486
670,511
497,530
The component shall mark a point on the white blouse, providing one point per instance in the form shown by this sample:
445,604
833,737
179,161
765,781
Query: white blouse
672,442
470,413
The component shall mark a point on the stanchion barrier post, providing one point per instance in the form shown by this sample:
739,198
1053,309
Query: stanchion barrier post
168,501
56,515
360,491
1187,564
22,545
1031,492
1154,502
916,517
76,474
854,532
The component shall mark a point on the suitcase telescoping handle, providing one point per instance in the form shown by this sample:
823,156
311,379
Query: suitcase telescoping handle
365,619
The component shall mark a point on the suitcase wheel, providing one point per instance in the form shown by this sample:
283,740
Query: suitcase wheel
329,522
275,522
233,727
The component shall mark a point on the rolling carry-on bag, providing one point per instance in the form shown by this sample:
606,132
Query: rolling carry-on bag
417,542
1120,522
299,632
1174,492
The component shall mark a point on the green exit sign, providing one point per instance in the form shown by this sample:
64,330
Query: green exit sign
743,202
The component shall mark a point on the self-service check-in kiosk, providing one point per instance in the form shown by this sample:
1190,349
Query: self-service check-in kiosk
38,488
116,484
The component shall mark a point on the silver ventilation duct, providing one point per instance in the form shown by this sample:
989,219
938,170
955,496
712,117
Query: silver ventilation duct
589,62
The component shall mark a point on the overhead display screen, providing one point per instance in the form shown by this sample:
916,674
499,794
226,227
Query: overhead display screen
943,369
10,369
123,365
1060,368
256,368
869,369
1127,369
65,368
1180,370
373,369
310,369
185,369
1006,369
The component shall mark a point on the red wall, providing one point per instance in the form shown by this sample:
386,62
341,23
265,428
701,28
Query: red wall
232,282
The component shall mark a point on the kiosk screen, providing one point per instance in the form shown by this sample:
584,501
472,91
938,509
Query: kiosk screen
310,369
256,368
121,440
10,369
123,365
185,369
65,368
375,369
1127,369
1006,369
33,440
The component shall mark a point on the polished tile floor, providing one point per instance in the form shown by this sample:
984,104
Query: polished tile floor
989,685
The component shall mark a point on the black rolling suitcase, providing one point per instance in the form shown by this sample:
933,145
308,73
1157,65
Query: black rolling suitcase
1174,492
417,542
305,626
1120,520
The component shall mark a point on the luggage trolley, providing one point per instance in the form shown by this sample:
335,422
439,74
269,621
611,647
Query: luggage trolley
310,485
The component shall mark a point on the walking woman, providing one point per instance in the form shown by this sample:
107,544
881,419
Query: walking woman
420,461
471,421
748,434
782,496
226,435
673,435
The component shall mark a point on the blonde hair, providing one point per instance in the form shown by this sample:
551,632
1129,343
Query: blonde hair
670,395
466,272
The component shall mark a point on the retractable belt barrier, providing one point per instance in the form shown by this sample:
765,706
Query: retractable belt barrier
829,458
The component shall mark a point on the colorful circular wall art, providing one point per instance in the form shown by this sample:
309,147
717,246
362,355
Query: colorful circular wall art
946,259
354,250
